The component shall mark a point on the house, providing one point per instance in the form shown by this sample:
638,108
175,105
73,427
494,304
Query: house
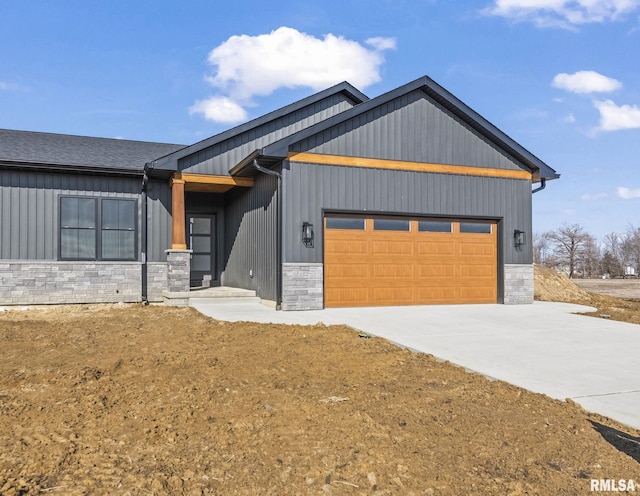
335,200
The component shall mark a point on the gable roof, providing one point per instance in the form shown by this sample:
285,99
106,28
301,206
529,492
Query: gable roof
170,160
279,149
78,153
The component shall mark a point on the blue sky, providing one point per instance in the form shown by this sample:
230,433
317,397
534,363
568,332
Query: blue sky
560,77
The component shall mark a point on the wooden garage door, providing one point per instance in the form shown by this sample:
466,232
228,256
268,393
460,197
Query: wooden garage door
396,261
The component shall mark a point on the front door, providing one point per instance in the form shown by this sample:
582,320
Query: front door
201,240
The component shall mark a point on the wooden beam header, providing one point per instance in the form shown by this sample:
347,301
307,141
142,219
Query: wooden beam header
374,163
211,183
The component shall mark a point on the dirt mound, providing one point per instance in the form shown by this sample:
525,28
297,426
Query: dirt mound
551,285
163,401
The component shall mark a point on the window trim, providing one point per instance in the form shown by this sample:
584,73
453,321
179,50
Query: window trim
98,229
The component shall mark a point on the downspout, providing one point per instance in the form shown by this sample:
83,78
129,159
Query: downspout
143,248
270,172
543,184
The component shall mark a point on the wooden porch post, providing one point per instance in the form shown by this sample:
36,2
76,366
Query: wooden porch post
178,238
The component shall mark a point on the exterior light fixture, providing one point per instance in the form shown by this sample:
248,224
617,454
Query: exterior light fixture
518,239
307,234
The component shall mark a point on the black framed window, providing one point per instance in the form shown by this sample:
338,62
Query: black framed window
438,226
391,225
475,227
97,229
118,223
78,228
345,223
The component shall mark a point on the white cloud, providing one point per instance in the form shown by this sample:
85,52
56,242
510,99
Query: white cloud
250,66
586,82
627,193
593,196
570,118
219,109
615,118
4,86
562,13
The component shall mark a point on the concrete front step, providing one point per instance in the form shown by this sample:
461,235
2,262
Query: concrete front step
209,295
223,301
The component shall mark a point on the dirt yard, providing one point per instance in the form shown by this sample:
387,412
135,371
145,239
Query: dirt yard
616,299
153,400
627,289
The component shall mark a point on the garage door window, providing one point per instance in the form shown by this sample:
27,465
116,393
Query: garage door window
345,223
438,226
391,225
475,227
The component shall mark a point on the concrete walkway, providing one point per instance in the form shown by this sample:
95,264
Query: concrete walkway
542,347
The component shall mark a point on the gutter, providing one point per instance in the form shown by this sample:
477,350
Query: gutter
143,248
270,172
543,184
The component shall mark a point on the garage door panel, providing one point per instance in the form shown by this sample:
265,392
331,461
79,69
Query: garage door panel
437,269
477,271
391,247
387,270
392,296
346,297
484,249
337,271
438,248
350,246
368,267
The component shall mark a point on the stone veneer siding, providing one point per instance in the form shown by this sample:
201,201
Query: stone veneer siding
178,270
518,284
31,282
302,286
157,273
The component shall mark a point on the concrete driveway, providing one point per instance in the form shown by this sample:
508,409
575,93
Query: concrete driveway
542,347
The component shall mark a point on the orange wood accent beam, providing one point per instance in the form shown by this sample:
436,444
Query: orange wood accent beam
375,163
178,237
212,184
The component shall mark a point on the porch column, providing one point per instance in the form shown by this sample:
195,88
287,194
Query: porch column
178,237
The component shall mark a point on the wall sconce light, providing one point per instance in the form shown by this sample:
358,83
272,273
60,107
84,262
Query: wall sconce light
518,239
307,234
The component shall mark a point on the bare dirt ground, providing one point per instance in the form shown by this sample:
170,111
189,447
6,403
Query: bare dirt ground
616,299
153,400
627,289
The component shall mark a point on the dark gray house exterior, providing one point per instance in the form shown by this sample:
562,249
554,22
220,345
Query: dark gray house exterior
336,200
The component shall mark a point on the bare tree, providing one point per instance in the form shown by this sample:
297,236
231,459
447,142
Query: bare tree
589,258
631,248
541,248
569,244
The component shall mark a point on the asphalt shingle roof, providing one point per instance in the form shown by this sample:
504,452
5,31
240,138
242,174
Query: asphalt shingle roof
37,148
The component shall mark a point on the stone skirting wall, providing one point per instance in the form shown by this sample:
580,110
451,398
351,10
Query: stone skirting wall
518,284
302,286
31,282
178,270
157,273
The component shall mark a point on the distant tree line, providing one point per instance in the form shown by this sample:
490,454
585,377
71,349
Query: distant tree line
579,254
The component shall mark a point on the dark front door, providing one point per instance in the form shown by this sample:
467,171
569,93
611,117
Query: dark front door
201,240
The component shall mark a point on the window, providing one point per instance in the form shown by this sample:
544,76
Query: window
439,226
93,229
345,223
78,228
118,229
475,227
390,225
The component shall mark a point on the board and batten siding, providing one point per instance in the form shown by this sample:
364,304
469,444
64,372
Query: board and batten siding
310,189
219,158
158,220
409,128
250,239
29,204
